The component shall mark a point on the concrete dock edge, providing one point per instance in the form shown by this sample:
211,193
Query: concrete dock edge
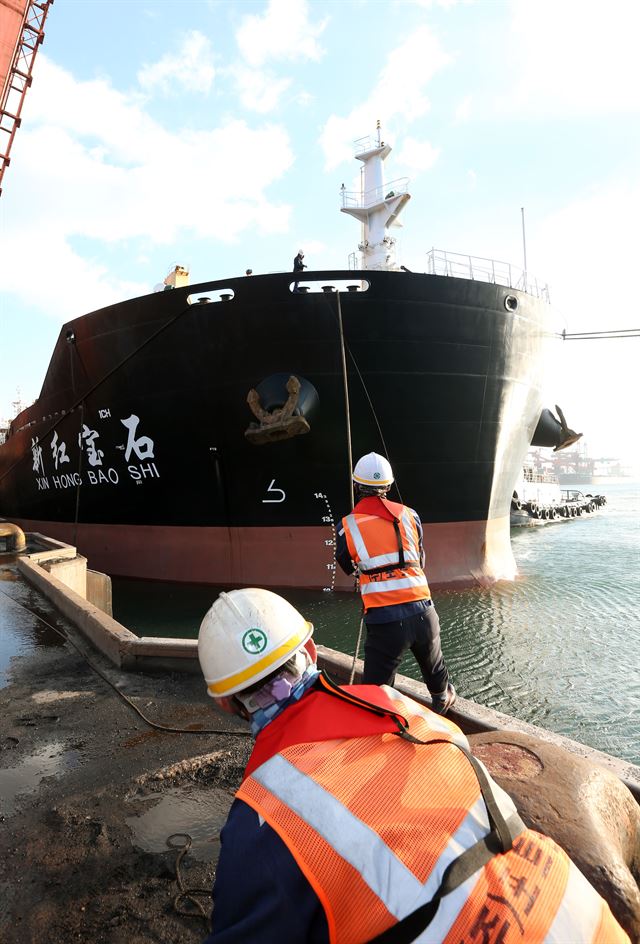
131,652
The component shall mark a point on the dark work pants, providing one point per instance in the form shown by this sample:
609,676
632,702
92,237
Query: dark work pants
386,644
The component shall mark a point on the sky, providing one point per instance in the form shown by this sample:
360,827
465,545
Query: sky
216,135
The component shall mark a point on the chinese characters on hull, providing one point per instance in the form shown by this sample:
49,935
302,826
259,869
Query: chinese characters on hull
138,451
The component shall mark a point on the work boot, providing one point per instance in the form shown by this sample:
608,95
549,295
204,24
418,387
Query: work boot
442,701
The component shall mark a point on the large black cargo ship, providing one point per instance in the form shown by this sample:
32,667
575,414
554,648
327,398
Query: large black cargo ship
142,449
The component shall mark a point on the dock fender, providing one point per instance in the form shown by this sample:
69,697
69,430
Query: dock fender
551,431
585,808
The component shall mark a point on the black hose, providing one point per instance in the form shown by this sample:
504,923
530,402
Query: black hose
152,724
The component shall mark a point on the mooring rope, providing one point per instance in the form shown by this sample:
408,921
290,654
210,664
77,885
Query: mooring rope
355,654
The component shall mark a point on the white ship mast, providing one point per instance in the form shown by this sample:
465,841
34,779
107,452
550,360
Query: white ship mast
378,205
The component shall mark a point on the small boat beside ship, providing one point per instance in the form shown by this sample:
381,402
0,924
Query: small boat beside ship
538,498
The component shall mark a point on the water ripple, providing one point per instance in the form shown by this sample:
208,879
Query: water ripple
558,647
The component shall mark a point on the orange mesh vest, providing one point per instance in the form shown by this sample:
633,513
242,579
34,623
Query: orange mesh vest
385,546
373,821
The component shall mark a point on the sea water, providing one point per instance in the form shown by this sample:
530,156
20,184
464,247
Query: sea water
559,647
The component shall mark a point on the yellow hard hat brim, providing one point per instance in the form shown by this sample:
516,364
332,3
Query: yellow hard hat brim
253,673
373,482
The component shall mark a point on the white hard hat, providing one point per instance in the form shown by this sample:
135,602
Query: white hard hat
300,252
373,470
245,636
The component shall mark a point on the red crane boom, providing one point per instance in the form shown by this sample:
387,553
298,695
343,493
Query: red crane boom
21,33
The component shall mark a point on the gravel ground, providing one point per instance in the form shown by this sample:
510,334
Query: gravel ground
79,770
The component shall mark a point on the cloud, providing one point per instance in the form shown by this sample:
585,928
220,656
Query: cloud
190,68
398,93
95,113
463,110
67,284
283,32
587,252
417,155
259,90
114,175
573,57
444,4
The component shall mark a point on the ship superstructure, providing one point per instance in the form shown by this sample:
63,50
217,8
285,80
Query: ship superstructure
378,204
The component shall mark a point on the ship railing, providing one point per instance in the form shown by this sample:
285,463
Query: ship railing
540,478
355,200
368,143
477,268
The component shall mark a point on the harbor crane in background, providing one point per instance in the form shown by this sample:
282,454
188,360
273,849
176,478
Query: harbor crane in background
21,35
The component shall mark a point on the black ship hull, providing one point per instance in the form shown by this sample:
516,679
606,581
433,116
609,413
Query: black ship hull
136,450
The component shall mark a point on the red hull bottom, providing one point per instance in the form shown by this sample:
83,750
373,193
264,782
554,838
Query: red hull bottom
459,553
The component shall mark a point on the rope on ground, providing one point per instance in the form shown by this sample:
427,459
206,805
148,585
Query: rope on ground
188,894
152,724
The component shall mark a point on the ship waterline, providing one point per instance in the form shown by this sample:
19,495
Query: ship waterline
459,553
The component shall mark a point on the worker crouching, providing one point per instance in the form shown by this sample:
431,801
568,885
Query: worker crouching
362,816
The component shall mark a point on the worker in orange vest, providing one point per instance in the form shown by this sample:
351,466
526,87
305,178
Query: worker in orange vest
382,540
363,816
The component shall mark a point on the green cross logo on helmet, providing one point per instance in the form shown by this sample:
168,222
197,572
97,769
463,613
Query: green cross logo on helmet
254,641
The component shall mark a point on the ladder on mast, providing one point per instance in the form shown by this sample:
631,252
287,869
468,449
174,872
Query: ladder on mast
18,79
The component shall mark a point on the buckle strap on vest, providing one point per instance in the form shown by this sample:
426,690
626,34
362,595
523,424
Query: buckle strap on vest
499,825
499,840
456,873
396,528
330,687
401,559
389,568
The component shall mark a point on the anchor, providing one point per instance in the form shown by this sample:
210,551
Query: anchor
279,423
553,432
569,436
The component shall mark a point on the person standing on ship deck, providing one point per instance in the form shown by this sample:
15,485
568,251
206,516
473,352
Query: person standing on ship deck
383,541
298,266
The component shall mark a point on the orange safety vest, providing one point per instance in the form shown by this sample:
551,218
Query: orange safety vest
384,543
374,821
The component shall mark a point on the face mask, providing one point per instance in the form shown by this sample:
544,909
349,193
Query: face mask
267,703
279,688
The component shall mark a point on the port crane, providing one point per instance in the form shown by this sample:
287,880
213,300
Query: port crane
21,35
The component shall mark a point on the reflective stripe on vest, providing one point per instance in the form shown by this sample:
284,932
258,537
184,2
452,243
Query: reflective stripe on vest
372,544
364,558
582,923
393,583
374,821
